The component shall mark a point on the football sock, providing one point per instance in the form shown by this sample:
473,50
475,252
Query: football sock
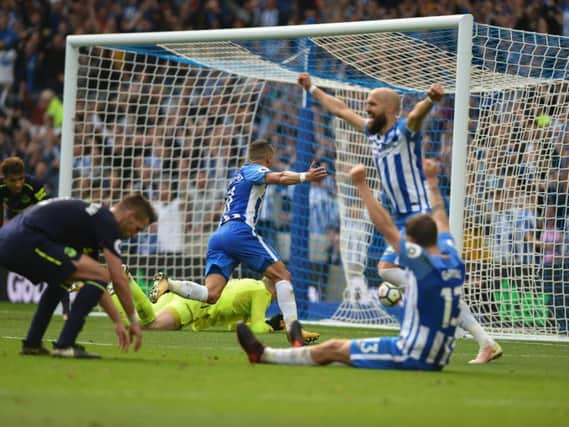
188,289
142,304
118,305
397,276
86,299
286,301
65,303
46,306
288,356
467,322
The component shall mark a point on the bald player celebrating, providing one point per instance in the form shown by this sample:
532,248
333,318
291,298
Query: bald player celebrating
397,154
396,146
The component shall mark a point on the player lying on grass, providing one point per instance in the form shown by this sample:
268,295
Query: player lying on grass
237,240
244,300
435,275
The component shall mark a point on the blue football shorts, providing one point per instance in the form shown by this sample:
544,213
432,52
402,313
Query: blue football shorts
383,353
236,242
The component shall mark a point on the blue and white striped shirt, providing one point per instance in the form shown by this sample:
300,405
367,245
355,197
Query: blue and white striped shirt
398,158
245,194
432,300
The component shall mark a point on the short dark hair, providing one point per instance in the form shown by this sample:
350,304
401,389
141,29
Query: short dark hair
141,205
12,166
259,149
423,229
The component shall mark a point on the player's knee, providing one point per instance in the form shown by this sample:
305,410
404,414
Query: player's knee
278,275
392,274
332,345
213,296
329,351
384,265
286,276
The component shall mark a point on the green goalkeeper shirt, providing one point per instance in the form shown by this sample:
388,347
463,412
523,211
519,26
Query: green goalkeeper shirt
241,300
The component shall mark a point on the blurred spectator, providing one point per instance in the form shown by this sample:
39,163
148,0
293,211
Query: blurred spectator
170,210
323,207
53,108
54,64
158,123
7,59
204,201
512,225
553,248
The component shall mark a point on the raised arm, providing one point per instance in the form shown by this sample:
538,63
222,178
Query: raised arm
422,108
314,174
331,103
377,213
431,169
122,289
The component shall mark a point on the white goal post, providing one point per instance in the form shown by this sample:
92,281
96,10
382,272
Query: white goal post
170,114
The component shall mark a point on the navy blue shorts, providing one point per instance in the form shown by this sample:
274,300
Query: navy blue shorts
31,254
236,242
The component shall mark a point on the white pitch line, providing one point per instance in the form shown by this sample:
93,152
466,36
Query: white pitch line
49,339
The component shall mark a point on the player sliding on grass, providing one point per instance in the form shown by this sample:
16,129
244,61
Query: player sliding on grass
244,300
396,144
435,275
237,241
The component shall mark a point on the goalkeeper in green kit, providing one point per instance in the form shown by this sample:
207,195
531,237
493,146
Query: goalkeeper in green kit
242,300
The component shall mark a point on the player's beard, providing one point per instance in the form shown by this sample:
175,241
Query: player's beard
377,123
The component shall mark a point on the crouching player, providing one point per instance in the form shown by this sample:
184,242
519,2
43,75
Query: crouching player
245,300
435,276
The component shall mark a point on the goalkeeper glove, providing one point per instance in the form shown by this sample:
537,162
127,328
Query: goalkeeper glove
276,322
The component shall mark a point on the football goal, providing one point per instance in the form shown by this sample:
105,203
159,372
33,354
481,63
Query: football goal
171,115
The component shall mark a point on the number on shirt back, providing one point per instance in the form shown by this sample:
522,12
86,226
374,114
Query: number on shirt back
447,294
229,200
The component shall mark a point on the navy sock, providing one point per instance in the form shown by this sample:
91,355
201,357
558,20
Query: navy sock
46,306
65,303
86,299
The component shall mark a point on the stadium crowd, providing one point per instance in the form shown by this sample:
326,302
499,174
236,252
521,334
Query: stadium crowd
32,46
32,52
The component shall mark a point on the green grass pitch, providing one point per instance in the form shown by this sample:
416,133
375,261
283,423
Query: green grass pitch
203,379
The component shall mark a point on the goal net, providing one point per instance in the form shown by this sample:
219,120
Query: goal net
171,115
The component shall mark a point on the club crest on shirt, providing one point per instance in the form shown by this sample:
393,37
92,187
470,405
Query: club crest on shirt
117,246
413,250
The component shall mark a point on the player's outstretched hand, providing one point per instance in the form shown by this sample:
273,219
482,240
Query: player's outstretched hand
431,168
436,92
316,174
358,174
135,332
304,80
122,335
